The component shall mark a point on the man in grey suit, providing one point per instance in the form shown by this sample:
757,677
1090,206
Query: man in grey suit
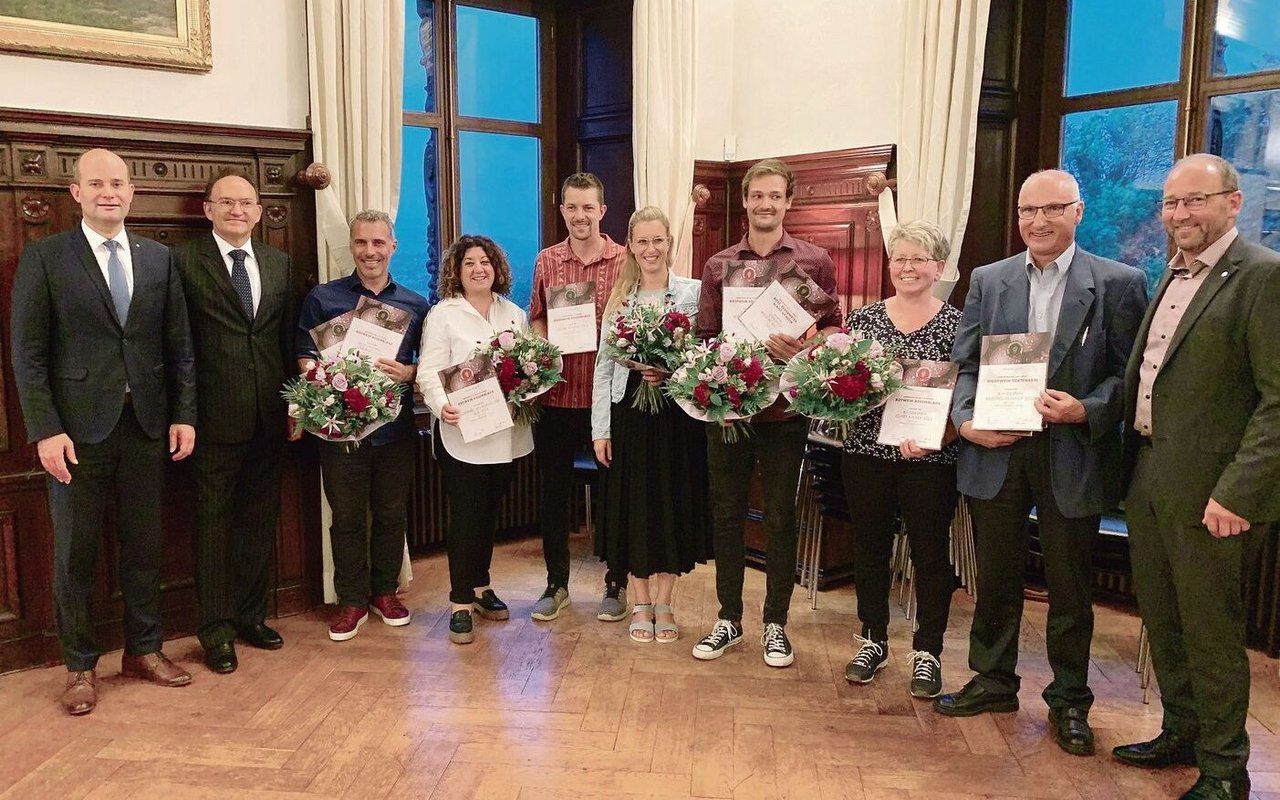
103,361
1202,417
241,306
1091,307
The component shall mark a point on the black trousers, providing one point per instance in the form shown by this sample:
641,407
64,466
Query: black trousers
559,435
924,495
778,447
475,491
368,490
1190,593
129,468
1000,529
237,507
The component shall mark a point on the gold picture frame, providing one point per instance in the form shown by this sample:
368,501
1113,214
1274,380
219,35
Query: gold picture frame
158,34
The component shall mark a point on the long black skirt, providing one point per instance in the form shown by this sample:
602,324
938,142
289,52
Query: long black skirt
655,505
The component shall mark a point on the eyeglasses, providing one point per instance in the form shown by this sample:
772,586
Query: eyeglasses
226,204
1193,202
657,241
916,261
1051,211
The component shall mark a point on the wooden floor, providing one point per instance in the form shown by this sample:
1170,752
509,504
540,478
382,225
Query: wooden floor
573,709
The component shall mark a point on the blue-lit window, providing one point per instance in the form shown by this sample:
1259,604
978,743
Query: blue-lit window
497,65
1246,37
500,177
1123,45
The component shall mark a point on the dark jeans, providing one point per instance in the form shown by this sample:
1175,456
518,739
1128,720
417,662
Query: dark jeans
237,506
475,491
1000,530
368,490
1191,599
778,447
924,494
558,437
128,467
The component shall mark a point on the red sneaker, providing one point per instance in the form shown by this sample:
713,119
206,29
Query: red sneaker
389,607
347,623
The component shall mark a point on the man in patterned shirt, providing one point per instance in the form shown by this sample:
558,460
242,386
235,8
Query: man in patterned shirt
564,428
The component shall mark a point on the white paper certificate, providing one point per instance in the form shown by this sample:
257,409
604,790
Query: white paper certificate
1012,372
775,311
919,410
737,299
372,340
571,317
472,388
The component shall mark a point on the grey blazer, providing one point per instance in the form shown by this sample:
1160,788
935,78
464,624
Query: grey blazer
1102,306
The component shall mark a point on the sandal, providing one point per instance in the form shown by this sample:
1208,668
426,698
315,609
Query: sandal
665,627
639,626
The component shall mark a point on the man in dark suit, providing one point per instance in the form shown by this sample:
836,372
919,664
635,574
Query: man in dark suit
1091,307
1202,420
240,303
104,367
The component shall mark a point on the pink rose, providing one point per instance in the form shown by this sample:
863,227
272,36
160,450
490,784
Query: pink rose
841,342
726,353
719,374
340,382
506,340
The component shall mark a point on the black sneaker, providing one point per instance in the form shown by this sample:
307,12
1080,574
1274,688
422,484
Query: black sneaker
489,606
460,631
926,674
724,635
777,648
870,659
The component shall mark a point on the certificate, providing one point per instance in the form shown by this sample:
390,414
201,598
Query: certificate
919,410
328,336
789,305
472,388
742,285
372,340
571,317
384,315
1012,372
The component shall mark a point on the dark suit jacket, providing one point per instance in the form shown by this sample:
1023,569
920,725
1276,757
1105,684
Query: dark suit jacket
241,364
1215,403
71,357
1102,305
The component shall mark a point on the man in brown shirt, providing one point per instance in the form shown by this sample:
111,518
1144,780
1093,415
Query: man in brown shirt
564,429
1203,426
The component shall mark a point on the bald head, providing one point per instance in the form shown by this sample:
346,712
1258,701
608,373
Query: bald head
1209,164
102,188
1049,209
1056,178
232,206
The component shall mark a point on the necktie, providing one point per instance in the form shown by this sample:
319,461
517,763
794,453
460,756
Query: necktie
240,280
118,281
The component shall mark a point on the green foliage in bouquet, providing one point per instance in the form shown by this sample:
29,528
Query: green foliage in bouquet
344,398
527,365
652,336
840,378
725,380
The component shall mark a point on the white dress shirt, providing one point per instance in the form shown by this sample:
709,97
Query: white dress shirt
453,331
98,243
250,266
1047,287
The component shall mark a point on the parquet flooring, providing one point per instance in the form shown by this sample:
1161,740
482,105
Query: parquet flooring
573,709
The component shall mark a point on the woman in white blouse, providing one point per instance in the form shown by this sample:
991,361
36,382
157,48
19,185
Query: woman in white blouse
474,280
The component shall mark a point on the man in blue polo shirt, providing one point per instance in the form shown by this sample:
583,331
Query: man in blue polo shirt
373,480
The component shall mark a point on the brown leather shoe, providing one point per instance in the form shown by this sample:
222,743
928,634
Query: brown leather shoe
81,695
156,668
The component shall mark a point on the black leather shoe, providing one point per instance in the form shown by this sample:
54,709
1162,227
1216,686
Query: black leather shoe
1071,730
973,700
261,637
1207,788
489,606
1163,751
460,631
221,658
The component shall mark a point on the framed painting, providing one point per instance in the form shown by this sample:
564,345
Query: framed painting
160,34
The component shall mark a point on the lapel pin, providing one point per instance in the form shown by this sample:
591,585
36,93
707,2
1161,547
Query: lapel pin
1224,273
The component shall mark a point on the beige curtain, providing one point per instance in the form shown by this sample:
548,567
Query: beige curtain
663,69
356,63
938,118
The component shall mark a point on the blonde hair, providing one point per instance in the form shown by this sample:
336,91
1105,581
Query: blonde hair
629,276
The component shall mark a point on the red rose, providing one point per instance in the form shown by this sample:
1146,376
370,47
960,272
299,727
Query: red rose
494,344
355,400
851,387
702,394
676,321
313,373
735,399
753,373
737,364
508,375
391,397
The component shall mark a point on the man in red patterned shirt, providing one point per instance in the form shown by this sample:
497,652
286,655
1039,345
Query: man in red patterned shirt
564,428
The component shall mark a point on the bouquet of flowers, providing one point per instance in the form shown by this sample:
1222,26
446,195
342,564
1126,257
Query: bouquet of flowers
841,378
527,366
642,336
343,399
725,380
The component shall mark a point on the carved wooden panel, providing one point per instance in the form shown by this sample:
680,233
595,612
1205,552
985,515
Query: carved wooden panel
10,599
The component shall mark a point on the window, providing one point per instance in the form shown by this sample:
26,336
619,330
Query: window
478,138
1126,102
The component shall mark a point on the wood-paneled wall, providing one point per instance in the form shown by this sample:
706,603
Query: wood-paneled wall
169,164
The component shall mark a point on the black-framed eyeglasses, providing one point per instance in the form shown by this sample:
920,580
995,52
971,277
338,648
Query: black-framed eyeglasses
1051,210
1193,202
